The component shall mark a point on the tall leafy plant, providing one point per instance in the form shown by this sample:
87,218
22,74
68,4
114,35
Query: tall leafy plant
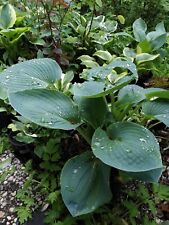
10,35
106,110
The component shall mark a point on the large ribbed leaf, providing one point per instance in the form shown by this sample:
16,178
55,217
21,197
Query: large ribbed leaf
131,94
85,184
102,72
95,89
158,109
7,16
127,146
31,74
147,176
93,110
47,108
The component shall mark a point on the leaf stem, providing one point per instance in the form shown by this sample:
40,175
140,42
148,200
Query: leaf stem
83,133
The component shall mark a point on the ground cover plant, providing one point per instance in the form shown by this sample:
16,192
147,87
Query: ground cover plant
85,85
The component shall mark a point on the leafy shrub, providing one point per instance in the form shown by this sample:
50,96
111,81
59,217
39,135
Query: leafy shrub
107,111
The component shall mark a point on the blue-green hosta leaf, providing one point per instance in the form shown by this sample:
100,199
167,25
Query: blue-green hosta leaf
93,110
130,53
46,108
148,176
131,94
139,30
158,37
145,57
95,89
127,146
158,109
85,184
7,16
101,72
31,74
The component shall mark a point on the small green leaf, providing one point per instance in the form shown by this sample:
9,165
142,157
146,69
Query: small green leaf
99,3
145,57
121,19
127,146
130,53
139,30
7,16
85,184
89,63
5,163
152,93
105,55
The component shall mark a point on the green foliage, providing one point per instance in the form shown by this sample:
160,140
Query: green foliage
112,137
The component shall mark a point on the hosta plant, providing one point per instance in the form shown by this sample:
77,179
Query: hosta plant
109,112
10,34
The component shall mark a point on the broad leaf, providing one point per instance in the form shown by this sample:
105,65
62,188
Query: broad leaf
96,89
7,16
148,176
127,146
85,184
158,109
131,94
93,110
158,37
31,74
46,108
101,72
139,30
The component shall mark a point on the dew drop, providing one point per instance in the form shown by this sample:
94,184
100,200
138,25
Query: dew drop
75,171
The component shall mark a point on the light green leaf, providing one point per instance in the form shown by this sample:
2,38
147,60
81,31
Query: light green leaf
158,109
145,46
121,19
89,63
31,74
7,16
47,108
3,93
139,30
105,55
5,163
145,57
99,3
86,57
153,93
85,184
127,146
